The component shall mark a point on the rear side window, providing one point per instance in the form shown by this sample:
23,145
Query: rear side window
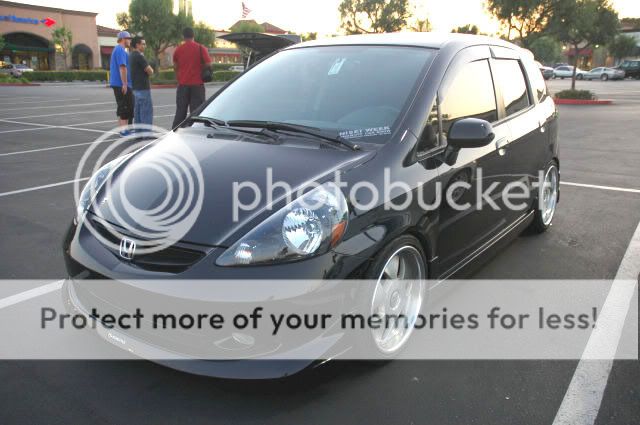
508,75
538,85
470,95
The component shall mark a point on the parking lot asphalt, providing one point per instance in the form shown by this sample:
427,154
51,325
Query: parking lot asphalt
44,132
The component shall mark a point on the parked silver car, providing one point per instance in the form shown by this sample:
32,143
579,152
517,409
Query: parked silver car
15,70
603,73
566,71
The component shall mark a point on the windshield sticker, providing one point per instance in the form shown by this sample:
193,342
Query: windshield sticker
366,132
337,65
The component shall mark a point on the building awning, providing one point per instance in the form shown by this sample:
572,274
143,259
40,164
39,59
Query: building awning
106,50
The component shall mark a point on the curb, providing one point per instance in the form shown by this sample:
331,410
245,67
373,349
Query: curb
582,102
18,84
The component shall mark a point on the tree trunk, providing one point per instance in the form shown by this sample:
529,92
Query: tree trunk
575,67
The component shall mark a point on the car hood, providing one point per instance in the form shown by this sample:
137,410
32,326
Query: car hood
218,165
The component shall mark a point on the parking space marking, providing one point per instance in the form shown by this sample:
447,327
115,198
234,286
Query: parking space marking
31,293
54,147
105,121
45,186
583,398
26,129
57,106
42,101
595,186
76,113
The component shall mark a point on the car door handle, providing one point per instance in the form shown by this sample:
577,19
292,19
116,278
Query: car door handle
501,145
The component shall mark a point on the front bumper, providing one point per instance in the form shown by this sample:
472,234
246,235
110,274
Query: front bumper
87,259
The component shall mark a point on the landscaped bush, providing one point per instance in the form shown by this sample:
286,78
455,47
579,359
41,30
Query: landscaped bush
95,75
225,75
170,75
165,75
224,66
6,78
576,94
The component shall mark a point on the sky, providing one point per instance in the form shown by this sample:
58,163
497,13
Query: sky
320,16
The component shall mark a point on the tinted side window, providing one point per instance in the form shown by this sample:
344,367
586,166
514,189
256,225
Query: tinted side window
538,85
509,77
470,95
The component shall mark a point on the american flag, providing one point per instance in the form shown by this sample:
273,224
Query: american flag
245,10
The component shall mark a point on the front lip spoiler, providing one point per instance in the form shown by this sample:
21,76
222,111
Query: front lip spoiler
259,368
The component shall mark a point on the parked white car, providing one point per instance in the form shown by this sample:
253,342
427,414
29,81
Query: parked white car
15,70
603,73
237,68
566,71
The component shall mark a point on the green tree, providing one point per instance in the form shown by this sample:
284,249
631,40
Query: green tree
62,38
622,46
309,36
204,34
421,25
155,20
584,23
467,29
247,26
373,16
546,49
528,18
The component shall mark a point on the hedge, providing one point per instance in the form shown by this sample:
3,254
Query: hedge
168,76
6,78
225,75
96,75
576,94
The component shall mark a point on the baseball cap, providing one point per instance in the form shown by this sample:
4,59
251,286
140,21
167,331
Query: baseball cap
123,34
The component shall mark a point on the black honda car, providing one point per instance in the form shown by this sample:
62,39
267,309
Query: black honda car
445,115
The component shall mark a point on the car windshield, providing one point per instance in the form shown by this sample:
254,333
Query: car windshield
358,91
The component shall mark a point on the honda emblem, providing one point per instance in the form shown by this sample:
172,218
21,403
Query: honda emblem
127,248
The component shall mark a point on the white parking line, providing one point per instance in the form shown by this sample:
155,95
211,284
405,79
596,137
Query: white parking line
583,398
76,113
113,121
46,186
31,293
73,105
42,101
27,129
52,148
595,186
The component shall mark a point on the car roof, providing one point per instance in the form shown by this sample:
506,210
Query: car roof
417,39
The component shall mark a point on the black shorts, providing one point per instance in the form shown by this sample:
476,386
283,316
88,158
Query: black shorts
125,103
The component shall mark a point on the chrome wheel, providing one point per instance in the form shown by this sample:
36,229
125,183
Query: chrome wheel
549,195
398,296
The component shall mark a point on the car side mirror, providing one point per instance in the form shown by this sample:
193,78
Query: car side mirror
470,133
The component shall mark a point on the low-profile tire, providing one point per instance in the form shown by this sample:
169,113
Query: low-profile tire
579,77
547,200
604,77
399,271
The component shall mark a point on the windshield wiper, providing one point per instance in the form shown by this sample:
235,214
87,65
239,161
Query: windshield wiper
219,124
211,122
295,128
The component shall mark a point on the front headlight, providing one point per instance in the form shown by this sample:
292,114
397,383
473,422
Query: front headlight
93,185
310,225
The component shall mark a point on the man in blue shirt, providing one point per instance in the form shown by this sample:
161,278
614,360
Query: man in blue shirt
120,81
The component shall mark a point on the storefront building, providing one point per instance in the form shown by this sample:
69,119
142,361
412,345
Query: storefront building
26,30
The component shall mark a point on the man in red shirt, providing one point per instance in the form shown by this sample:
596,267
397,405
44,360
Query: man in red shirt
188,61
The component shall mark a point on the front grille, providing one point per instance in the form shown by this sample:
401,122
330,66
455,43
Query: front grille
172,259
